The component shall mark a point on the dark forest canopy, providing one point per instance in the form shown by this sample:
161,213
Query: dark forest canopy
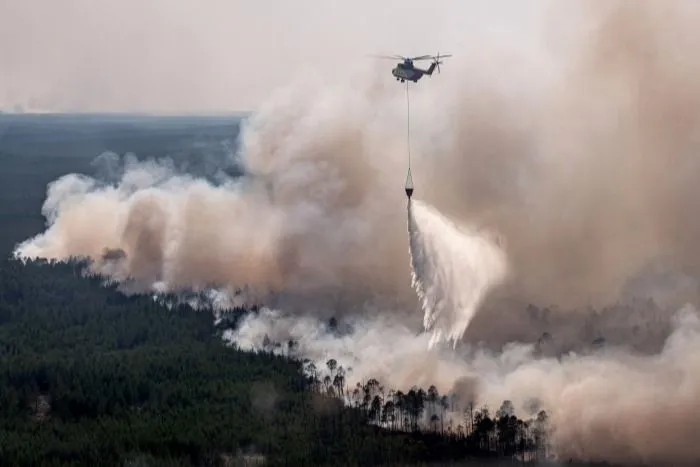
94,376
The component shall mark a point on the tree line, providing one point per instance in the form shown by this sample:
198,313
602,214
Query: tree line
470,430
95,377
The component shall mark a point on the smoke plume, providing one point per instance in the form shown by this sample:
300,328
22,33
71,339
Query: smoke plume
581,156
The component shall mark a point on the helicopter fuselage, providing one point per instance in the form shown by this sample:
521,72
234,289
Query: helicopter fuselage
406,71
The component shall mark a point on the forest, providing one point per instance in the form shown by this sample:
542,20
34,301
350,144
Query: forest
96,377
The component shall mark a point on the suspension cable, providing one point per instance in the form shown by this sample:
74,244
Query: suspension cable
408,126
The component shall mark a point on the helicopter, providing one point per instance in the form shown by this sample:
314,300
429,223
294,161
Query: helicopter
407,71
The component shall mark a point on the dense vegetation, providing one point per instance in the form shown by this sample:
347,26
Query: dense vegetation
94,377
452,426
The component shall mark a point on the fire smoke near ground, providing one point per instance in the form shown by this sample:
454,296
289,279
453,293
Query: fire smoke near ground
584,161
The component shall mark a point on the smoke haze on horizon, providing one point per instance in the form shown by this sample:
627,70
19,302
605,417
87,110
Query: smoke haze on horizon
183,56
581,157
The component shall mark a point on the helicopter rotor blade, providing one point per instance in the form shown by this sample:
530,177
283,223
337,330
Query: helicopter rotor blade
390,57
419,57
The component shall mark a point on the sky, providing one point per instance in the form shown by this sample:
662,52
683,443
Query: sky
188,56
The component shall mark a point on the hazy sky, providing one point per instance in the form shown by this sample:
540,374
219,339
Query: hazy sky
220,55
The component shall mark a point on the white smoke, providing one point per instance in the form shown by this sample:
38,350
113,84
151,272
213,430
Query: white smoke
602,406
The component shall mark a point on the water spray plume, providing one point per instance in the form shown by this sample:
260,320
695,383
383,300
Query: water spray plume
452,270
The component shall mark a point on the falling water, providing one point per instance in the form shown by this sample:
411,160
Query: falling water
452,269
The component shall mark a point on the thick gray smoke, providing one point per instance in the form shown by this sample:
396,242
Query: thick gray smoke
582,158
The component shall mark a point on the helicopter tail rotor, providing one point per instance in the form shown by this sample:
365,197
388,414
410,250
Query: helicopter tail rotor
437,60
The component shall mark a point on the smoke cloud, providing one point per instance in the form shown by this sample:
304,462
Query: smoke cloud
581,156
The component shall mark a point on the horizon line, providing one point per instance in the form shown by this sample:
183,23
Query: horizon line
127,113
